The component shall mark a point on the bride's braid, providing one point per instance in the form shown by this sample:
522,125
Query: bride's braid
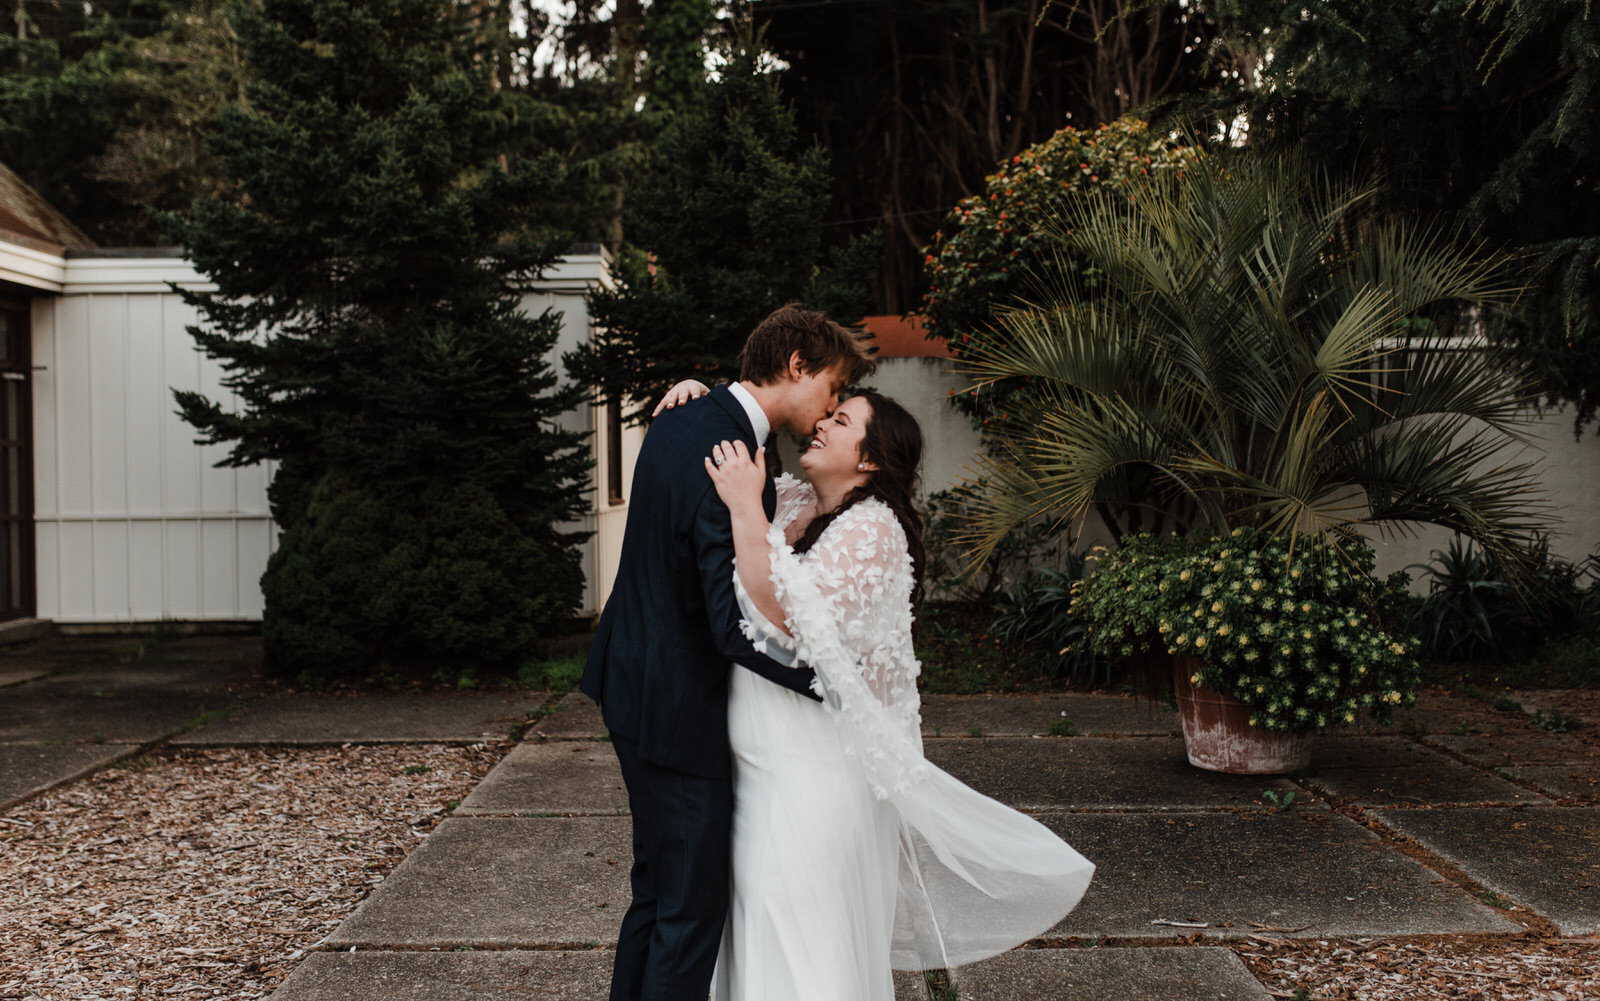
892,441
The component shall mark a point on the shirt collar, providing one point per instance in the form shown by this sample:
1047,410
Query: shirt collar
752,409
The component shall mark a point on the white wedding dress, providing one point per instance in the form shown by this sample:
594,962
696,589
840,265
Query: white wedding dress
852,854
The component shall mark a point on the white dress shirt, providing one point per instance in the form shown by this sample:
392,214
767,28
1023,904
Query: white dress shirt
752,409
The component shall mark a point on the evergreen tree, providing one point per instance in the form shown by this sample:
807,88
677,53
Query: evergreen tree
727,225
388,206
65,97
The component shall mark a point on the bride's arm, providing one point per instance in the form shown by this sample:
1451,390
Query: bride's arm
739,479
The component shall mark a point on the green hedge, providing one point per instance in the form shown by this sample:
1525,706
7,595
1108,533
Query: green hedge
372,580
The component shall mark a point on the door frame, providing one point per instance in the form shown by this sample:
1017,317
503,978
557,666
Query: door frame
27,598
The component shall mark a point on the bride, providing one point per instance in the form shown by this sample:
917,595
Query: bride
852,854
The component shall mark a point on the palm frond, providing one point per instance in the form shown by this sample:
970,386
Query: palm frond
1245,350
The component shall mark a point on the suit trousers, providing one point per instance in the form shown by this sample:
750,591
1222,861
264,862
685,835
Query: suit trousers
682,823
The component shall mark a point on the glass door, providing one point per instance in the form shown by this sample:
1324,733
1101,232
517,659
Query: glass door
16,464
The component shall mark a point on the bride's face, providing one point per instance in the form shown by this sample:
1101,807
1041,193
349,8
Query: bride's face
834,454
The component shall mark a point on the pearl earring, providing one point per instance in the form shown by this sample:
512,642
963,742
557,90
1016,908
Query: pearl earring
861,467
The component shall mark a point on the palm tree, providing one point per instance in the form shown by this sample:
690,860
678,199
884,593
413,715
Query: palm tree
1251,347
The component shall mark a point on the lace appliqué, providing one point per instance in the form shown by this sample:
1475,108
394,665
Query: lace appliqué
848,605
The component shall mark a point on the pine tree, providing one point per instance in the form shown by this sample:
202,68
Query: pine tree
387,206
726,225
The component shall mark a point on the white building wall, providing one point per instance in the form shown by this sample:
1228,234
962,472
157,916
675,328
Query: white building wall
563,289
1568,468
1569,475
923,386
134,522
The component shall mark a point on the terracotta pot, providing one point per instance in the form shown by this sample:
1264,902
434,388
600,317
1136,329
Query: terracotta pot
1218,736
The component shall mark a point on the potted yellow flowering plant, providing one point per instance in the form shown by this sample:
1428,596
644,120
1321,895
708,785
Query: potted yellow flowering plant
1283,635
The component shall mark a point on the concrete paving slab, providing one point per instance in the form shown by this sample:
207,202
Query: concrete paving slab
449,976
16,674
575,718
1055,773
1547,858
1412,775
1496,750
1300,875
1027,715
1584,703
1437,710
1579,782
31,714
1341,750
133,665
501,883
127,691
368,718
27,768
559,777
1168,974
1206,973
24,630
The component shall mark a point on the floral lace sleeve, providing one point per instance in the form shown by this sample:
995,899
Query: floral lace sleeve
848,604
794,497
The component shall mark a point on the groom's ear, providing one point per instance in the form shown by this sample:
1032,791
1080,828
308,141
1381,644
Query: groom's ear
796,369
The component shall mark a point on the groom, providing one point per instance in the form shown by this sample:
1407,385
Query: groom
661,654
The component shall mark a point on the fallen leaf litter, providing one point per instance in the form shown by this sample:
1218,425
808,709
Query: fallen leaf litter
199,874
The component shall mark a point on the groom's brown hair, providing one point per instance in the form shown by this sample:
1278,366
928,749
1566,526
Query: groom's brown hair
822,343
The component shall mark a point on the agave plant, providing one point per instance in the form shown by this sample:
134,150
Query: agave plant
1255,349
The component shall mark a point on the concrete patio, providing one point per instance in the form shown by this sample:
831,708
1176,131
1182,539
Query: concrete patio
1460,821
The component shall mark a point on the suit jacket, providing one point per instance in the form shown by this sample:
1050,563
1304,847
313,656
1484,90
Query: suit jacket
659,663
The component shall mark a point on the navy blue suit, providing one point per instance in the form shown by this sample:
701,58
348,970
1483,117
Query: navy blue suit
659,667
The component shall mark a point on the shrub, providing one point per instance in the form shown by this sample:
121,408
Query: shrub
980,256
1475,611
1036,614
952,575
379,580
1293,627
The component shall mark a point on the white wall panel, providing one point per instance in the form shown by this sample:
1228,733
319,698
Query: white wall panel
219,569
180,367
219,487
148,404
47,559
146,570
74,442
77,572
108,403
111,567
256,541
181,573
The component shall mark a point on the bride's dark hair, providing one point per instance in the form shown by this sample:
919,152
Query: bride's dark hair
892,441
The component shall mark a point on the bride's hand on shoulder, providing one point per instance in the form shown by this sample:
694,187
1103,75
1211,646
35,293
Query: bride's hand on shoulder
683,392
738,476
